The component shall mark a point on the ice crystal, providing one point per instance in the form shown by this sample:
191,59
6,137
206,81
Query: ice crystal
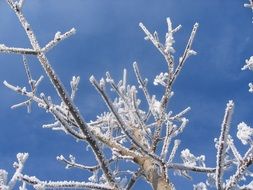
249,64
3,177
200,186
244,133
161,79
188,158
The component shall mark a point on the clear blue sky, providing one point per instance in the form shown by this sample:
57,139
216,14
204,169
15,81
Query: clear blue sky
109,39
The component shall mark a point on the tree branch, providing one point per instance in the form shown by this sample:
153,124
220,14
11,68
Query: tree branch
222,144
63,93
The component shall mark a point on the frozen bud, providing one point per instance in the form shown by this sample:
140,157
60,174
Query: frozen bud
72,158
162,79
3,177
244,133
2,46
249,64
22,157
192,52
169,43
57,35
188,158
251,87
200,186
39,187
156,36
74,82
94,177
61,157
146,38
156,106
102,83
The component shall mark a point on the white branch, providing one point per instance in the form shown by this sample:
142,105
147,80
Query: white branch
22,51
250,5
242,167
222,144
63,93
22,157
58,38
64,184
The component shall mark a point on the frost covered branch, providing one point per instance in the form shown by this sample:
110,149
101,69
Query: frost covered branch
169,78
38,184
58,38
249,5
242,167
22,51
62,92
223,143
19,166
143,133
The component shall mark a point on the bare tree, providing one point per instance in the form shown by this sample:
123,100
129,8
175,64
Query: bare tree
127,132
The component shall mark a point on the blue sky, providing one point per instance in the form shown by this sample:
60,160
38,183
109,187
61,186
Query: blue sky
109,39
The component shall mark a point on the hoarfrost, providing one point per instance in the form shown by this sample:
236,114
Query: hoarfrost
200,186
188,158
244,133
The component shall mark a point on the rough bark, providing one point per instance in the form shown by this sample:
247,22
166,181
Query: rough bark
151,171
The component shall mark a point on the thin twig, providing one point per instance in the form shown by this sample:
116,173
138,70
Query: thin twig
22,51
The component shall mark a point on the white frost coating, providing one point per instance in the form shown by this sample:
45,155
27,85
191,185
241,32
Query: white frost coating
23,187
211,179
222,144
162,79
191,52
244,133
249,64
3,179
156,105
123,182
94,177
188,158
2,46
57,35
249,186
130,130
251,87
21,157
200,186
61,157
39,187
249,5
169,40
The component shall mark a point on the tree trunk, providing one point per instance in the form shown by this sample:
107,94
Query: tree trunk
153,174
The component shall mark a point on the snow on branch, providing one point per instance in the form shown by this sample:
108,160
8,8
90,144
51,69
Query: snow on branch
58,38
249,5
22,51
21,157
3,179
222,144
143,86
130,132
72,163
60,89
193,168
166,79
43,185
127,130
242,167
